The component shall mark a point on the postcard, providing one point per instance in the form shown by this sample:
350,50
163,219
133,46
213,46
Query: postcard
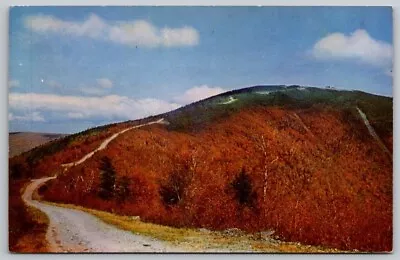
200,129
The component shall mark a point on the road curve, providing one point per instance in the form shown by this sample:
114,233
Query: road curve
72,230
76,231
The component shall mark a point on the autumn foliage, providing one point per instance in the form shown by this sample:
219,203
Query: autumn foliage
313,175
44,161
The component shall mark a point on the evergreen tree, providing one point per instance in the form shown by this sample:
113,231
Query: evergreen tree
243,188
107,179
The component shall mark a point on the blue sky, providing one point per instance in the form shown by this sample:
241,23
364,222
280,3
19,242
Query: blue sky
72,68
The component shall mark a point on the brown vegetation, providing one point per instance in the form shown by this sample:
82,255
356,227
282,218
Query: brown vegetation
313,175
27,226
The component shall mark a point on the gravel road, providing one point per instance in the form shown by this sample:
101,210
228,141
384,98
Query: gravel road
76,231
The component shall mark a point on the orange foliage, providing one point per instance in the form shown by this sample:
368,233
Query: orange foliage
330,185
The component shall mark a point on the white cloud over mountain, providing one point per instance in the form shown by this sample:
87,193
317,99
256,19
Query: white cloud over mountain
132,33
359,45
29,116
111,106
198,93
97,105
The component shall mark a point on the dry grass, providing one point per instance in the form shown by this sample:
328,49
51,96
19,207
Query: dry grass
198,240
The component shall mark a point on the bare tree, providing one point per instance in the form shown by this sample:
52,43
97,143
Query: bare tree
267,162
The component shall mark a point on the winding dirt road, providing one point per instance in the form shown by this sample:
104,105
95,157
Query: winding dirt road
76,231
108,140
72,230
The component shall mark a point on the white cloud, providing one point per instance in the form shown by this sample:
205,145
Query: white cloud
93,26
13,83
198,93
181,36
105,83
133,33
142,33
358,45
111,106
30,117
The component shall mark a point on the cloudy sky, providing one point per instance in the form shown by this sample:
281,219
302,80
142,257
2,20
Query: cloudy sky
72,68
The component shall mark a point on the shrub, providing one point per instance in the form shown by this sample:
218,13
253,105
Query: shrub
243,188
18,171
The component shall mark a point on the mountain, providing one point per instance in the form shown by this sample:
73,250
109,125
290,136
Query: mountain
20,142
312,164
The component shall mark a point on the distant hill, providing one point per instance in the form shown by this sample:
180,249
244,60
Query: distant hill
20,142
